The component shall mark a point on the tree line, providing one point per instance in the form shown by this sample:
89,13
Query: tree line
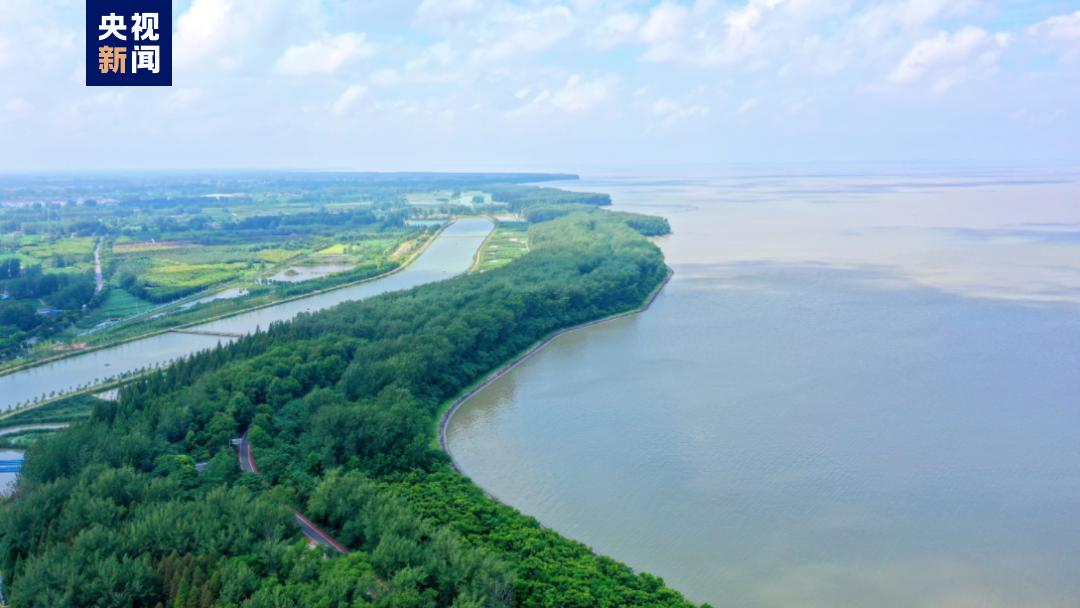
341,409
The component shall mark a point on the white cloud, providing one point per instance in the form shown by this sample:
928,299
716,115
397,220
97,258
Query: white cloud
673,112
17,105
185,97
1062,31
513,31
348,99
748,105
438,63
577,95
798,104
895,16
386,77
800,38
326,55
664,32
439,55
580,94
482,60
947,57
5,52
443,11
202,31
33,38
616,29
710,34
1063,28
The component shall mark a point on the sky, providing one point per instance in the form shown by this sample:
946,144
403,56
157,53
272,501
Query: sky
552,85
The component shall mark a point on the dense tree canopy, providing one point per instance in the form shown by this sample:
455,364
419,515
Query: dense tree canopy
521,197
340,407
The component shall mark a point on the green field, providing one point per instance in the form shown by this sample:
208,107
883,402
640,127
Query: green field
508,242
116,305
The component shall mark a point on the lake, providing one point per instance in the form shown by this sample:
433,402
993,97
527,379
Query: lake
450,254
861,388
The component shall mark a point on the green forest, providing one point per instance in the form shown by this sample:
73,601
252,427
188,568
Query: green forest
177,249
143,504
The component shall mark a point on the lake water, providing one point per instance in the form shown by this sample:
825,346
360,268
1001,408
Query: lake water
450,254
861,388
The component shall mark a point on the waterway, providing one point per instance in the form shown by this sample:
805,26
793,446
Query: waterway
450,254
859,389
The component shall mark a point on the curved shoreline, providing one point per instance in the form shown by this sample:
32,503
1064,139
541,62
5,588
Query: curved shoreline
455,405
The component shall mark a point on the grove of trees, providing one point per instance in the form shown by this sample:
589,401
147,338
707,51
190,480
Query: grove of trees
341,408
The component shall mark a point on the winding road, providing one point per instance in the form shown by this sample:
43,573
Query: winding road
310,530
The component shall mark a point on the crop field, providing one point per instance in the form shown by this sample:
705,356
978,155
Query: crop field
71,254
354,251
117,304
274,255
182,268
509,242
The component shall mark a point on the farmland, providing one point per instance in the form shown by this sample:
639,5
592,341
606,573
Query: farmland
508,242
181,249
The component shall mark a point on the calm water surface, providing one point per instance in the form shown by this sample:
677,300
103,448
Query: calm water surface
8,480
450,254
860,389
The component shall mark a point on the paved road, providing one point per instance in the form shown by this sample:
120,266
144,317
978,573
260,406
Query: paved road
243,453
99,278
310,530
316,535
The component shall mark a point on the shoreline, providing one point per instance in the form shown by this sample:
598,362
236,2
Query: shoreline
502,370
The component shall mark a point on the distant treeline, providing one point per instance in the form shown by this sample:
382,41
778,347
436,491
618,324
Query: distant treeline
648,225
523,197
341,407
169,189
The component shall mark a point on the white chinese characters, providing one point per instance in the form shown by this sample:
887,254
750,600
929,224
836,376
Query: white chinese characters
144,57
144,26
113,25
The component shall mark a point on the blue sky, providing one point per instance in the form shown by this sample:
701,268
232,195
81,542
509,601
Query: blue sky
553,84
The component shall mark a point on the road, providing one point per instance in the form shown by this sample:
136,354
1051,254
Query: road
316,535
310,530
243,453
99,278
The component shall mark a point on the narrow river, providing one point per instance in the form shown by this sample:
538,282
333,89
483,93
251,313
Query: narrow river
449,255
